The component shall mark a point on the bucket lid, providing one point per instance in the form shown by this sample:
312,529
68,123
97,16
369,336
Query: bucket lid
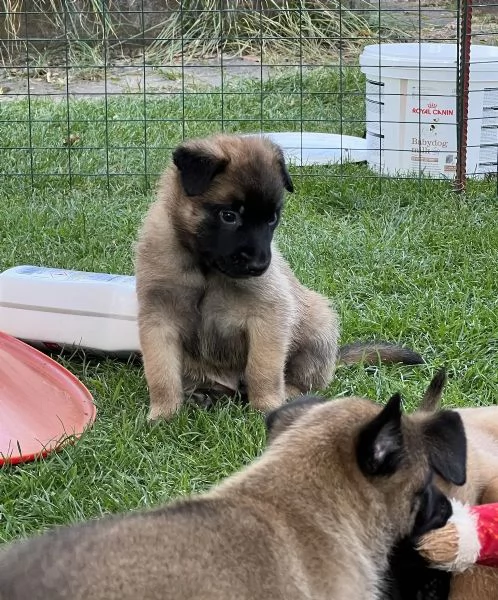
313,148
427,55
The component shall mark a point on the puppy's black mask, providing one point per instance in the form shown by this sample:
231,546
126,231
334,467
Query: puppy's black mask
236,233
410,577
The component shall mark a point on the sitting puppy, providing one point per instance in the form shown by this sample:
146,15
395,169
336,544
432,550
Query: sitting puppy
216,300
314,518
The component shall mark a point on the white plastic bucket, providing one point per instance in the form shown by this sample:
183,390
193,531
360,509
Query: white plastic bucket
411,109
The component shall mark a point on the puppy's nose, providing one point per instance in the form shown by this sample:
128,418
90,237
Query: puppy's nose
258,267
245,256
254,265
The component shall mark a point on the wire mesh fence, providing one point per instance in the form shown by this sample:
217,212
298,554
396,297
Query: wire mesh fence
98,92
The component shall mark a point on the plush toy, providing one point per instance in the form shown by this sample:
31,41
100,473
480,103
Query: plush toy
469,538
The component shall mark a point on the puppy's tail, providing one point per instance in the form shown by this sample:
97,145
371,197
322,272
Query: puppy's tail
373,353
432,396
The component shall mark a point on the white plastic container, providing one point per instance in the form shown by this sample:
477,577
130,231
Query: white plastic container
55,309
411,109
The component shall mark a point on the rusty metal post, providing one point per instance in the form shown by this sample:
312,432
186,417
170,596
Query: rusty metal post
465,39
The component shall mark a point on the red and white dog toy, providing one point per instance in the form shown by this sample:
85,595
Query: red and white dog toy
469,538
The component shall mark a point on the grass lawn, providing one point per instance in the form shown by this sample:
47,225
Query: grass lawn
403,260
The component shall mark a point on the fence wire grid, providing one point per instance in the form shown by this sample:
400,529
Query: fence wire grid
102,90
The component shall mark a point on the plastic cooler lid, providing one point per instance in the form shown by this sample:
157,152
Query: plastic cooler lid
483,58
42,404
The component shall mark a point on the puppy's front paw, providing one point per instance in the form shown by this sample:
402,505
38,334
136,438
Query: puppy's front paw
162,411
156,413
267,403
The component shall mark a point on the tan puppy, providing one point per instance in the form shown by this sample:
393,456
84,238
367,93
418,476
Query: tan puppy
481,487
216,300
481,430
314,518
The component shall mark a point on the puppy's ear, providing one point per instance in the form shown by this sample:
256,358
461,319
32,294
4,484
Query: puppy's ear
447,444
432,397
288,185
279,419
379,447
198,167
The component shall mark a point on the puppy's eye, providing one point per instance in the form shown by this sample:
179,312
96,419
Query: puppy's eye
273,219
229,217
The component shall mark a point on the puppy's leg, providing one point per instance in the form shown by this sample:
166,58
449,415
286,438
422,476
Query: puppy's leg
162,358
264,375
312,363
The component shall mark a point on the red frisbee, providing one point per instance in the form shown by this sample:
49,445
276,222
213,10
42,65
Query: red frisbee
42,404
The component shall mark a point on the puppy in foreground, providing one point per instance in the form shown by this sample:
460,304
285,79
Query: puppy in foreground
481,487
411,576
217,303
313,518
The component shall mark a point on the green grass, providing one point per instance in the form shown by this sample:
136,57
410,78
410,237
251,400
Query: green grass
113,134
404,260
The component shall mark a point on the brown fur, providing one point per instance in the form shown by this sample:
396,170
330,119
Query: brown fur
313,518
198,326
481,487
481,429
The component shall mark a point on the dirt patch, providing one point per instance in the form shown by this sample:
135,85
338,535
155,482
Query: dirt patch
130,78
428,20
434,20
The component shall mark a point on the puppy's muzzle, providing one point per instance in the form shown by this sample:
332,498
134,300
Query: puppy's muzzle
434,512
247,265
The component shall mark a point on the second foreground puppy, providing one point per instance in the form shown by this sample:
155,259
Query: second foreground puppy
481,430
216,300
410,574
314,518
